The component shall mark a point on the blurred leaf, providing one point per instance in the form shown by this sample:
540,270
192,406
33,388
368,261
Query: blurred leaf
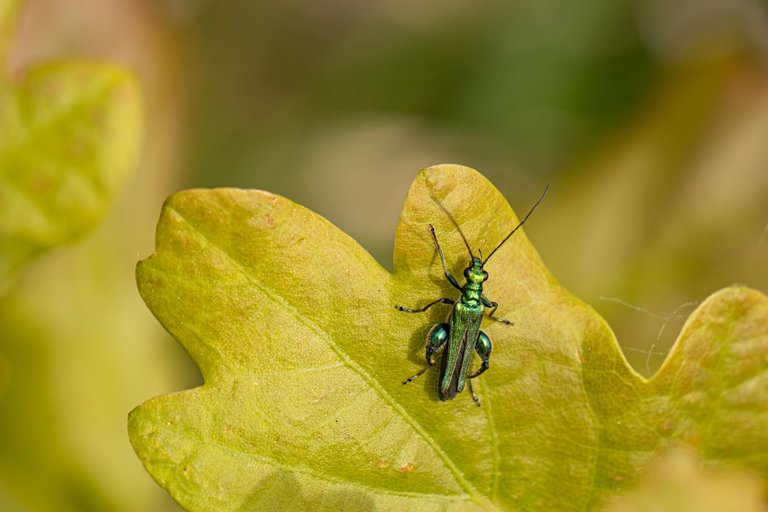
81,346
69,135
79,342
83,351
292,325
677,482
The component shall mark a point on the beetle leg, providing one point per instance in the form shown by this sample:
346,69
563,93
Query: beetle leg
436,339
472,392
483,348
443,300
498,319
490,304
448,275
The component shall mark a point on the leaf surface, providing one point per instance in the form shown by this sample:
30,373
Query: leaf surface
69,135
303,354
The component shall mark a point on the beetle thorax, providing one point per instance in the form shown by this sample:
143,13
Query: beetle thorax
475,277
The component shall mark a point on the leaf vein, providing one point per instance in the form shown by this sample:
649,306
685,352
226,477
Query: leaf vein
344,357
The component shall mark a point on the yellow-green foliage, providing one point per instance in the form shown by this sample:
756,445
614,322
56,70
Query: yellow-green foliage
69,134
293,327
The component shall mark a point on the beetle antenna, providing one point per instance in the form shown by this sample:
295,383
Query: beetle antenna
456,224
520,224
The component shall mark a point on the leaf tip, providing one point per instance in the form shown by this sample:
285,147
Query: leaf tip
440,179
736,295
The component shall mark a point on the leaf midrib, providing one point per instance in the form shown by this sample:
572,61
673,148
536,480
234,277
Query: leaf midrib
470,490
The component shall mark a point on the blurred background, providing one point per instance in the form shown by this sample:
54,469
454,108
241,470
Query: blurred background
650,118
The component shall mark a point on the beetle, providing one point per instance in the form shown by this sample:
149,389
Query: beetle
461,335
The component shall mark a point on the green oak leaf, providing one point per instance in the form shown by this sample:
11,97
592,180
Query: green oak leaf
303,355
69,135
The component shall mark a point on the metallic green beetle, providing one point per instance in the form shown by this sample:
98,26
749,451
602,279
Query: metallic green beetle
462,332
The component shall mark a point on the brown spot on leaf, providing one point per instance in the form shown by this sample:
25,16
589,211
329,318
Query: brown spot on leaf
77,148
41,184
